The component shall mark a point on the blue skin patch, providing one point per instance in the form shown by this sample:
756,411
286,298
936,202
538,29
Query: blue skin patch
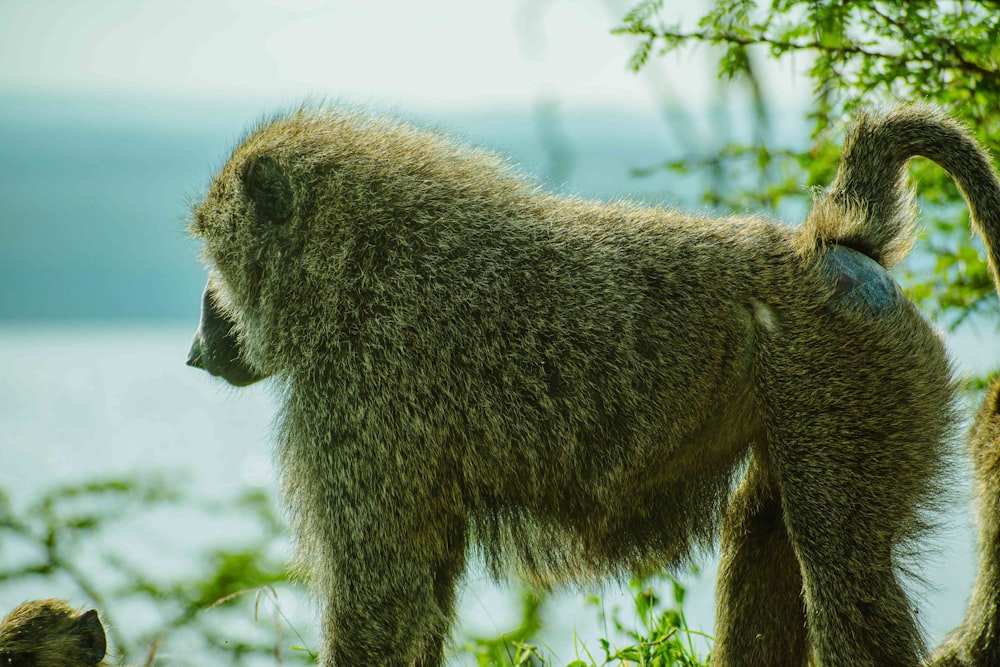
862,284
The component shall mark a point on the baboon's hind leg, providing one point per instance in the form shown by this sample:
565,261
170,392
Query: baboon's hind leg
858,443
858,614
761,617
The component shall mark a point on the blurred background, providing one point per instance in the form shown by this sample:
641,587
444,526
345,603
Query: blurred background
131,482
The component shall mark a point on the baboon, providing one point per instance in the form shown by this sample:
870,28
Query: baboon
976,643
51,633
572,386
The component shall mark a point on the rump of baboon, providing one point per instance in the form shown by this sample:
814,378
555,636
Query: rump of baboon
571,386
51,633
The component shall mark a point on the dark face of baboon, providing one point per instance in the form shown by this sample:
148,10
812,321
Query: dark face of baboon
50,633
216,348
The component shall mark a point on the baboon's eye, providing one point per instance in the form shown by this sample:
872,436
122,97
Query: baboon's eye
269,188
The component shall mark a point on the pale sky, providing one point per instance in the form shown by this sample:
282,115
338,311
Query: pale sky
430,53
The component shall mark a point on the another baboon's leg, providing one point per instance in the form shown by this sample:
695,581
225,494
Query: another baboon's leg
392,590
761,617
976,643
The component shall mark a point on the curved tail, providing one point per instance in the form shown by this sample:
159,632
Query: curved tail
870,208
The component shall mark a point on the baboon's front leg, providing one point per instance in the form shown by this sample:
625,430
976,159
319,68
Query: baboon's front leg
760,616
389,602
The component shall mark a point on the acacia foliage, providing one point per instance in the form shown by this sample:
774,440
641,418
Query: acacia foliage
855,53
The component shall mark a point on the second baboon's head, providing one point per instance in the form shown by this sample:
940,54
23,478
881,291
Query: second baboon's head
50,633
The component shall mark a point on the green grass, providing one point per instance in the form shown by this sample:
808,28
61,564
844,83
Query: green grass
648,634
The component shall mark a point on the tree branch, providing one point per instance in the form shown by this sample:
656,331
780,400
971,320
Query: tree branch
957,62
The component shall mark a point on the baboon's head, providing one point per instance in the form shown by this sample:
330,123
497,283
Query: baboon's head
307,214
50,633
246,223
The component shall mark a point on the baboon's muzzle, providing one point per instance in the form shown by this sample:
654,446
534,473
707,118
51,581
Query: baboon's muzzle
216,349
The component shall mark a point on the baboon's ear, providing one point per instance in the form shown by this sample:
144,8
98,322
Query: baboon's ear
269,188
92,632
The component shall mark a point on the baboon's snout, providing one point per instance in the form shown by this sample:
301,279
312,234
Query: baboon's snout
216,348
194,358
